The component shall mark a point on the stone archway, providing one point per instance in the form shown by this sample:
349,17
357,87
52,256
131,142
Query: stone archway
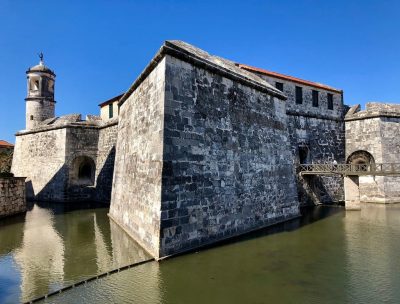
82,171
352,183
360,157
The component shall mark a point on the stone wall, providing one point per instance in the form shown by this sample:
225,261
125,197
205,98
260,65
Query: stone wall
227,159
38,110
40,157
375,130
320,132
390,134
136,192
50,159
202,154
105,160
12,195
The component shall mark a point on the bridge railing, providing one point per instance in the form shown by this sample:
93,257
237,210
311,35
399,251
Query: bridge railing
350,169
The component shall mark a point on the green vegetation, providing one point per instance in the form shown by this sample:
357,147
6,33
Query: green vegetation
5,161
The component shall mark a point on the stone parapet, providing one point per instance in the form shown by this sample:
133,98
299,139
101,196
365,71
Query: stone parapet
373,110
12,195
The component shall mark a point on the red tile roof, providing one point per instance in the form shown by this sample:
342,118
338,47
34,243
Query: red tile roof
107,102
289,78
5,144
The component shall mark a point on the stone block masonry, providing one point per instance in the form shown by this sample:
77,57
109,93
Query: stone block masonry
211,157
316,133
12,196
52,159
373,136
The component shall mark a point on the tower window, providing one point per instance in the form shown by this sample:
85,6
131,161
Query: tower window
110,111
330,101
31,117
315,98
299,95
279,86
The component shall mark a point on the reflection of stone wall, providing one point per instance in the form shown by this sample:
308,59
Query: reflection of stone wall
12,195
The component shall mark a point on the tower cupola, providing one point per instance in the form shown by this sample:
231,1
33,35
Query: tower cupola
40,103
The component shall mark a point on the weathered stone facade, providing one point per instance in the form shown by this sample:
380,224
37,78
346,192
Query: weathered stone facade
51,157
12,196
200,149
211,158
316,132
373,136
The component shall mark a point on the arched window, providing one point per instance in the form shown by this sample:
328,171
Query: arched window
82,171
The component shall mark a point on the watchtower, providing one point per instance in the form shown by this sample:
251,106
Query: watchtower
40,103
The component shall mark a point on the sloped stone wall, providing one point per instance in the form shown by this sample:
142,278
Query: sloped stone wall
227,159
136,192
12,195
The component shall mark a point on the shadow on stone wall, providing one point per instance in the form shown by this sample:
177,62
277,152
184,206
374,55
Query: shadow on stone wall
313,190
105,178
58,189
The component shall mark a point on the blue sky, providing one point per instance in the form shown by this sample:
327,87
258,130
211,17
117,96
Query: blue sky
98,48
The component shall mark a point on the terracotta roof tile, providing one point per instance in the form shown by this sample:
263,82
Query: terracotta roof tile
289,78
5,144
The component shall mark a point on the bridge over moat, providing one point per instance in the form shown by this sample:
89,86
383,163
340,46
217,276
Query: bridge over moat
383,169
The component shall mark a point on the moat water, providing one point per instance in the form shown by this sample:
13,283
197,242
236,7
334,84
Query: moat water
327,256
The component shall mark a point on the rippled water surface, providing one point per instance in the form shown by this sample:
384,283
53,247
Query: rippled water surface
327,256
51,247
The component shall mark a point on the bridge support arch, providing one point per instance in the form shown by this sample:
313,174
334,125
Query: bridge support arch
354,185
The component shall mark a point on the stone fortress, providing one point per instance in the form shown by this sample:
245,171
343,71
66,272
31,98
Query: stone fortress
200,149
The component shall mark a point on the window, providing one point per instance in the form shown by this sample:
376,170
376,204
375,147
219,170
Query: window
31,117
110,111
330,101
299,95
279,86
315,98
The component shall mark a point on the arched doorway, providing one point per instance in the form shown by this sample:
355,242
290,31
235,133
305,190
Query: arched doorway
304,154
362,161
361,157
82,171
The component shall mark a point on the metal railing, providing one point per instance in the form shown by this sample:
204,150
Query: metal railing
350,169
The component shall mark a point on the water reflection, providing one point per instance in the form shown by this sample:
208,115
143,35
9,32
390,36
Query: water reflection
52,247
41,256
372,249
327,256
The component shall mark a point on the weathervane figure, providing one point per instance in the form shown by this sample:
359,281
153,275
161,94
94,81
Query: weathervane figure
41,57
